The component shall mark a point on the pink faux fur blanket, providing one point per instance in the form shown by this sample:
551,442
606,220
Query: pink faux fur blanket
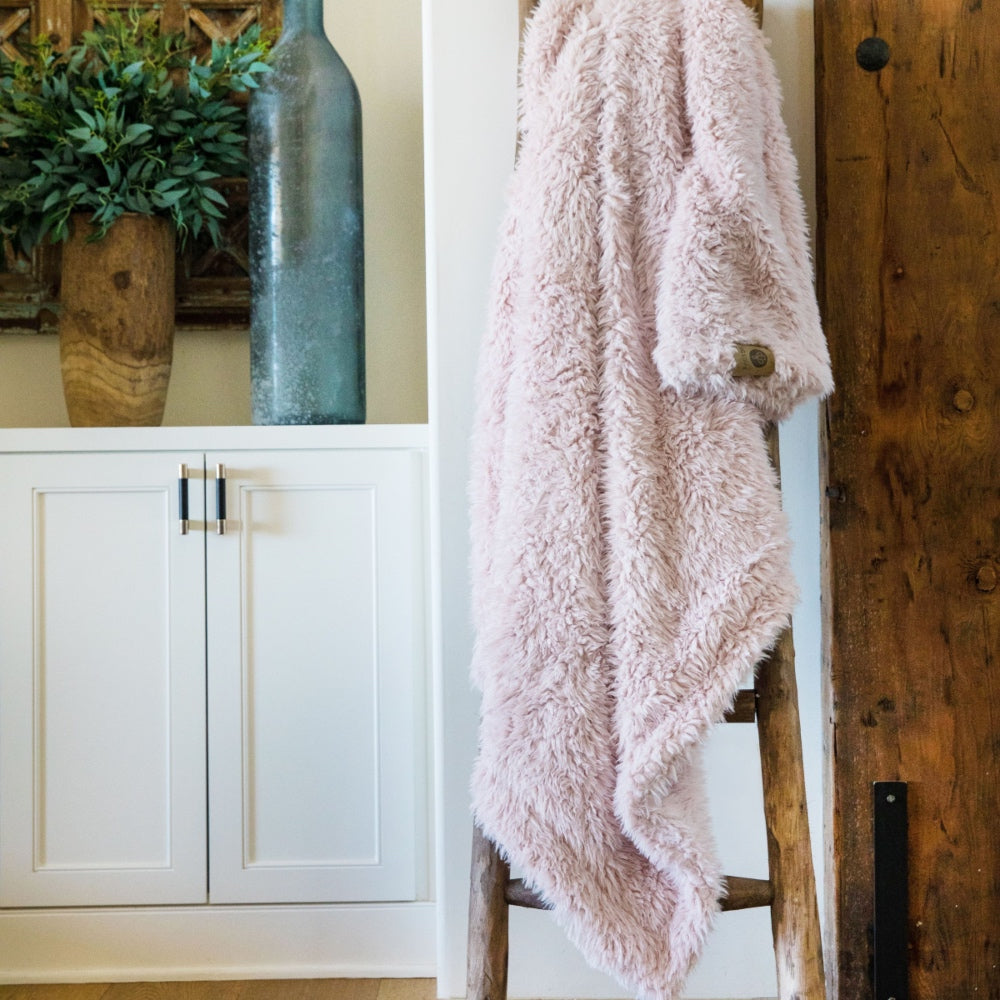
630,557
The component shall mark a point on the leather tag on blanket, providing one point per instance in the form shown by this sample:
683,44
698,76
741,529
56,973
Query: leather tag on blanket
752,360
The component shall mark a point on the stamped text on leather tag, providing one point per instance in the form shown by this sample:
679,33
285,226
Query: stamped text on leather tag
752,360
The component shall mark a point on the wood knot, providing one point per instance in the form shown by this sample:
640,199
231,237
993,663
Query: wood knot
986,578
963,401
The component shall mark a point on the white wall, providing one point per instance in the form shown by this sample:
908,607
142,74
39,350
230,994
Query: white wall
470,55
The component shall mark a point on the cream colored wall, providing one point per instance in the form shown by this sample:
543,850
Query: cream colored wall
380,41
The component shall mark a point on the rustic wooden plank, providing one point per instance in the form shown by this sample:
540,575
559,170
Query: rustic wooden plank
746,893
909,258
798,946
407,989
55,19
516,893
267,989
744,707
49,991
741,894
222,990
488,922
524,10
796,930
11,22
307,989
173,16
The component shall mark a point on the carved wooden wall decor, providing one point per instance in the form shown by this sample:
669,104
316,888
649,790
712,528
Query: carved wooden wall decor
213,287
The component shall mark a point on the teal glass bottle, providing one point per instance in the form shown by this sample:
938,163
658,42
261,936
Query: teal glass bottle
307,313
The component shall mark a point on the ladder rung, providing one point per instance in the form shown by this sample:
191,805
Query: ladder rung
744,707
746,893
742,894
518,894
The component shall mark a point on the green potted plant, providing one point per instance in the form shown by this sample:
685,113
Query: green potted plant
114,146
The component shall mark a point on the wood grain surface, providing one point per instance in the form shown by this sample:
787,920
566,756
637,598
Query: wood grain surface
116,331
798,946
909,256
260,989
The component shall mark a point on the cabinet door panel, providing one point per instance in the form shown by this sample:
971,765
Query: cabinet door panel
101,684
315,662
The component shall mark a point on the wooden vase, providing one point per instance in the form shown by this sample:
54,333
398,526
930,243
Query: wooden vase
116,328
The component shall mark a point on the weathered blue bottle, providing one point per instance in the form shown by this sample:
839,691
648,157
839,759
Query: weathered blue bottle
307,314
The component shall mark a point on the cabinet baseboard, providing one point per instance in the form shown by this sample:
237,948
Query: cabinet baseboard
141,944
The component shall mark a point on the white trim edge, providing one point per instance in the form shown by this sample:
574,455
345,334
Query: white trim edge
149,944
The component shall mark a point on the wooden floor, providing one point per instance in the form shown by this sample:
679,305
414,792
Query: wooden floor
266,989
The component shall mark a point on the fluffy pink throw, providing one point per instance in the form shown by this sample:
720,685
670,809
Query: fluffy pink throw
630,557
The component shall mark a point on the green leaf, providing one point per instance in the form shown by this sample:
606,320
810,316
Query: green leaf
168,198
107,125
95,145
135,130
138,202
215,196
209,209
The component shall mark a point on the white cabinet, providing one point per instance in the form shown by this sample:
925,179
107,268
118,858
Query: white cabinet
314,633
102,678
203,717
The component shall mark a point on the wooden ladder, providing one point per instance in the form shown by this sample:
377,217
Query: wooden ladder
789,890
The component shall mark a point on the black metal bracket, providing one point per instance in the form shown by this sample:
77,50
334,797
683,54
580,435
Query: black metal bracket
891,891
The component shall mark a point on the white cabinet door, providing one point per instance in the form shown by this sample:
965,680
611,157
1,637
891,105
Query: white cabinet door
316,647
102,686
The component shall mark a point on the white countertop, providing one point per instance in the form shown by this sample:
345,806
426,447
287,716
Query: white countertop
76,439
